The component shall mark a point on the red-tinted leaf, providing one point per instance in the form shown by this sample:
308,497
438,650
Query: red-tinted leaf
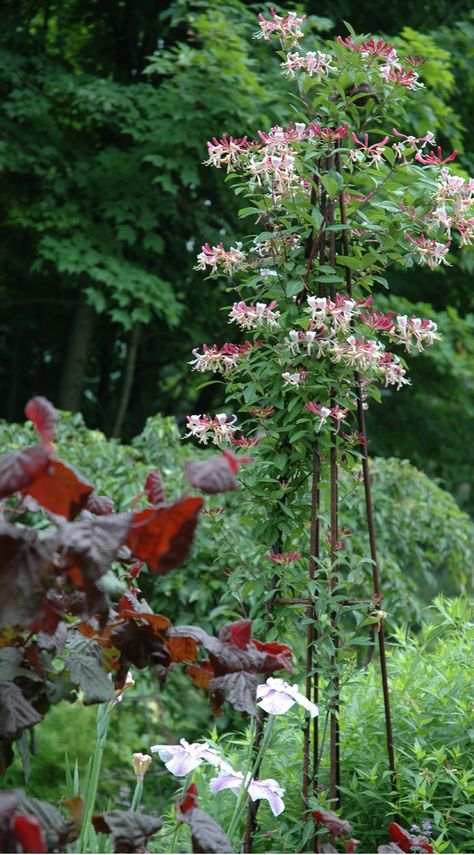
140,645
189,800
333,823
227,657
201,674
239,633
16,713
182,649
239,689
406,840
44,417
60,490
18,469
273,648
206,833
351,845
26,572
163,538
154,489
29,833
56,832
213,475
130,607
99,505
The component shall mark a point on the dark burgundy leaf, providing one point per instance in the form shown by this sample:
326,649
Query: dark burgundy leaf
140,644
206,833
239,633
130,830
333,823
60,490
88,548
239,689
406,840
163,538
18,469
99,505
44,417
389,847
56,832
28,832
213,475
26,572
154,489
16,714
227,657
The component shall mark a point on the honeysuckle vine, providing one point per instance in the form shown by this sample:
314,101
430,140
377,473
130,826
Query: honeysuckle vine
338,196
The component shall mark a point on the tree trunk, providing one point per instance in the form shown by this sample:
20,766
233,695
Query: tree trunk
128,376
72,375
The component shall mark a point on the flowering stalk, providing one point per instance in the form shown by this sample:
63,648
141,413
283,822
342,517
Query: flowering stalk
249,775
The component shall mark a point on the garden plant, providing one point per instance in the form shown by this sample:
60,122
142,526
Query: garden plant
337,196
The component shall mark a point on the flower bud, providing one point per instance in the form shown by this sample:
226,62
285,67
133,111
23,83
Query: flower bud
141,763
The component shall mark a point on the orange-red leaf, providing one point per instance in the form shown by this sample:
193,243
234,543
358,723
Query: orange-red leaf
182,649
60,490
163,538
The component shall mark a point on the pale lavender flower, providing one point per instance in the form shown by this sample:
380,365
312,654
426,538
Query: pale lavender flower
268,789
277,697
185,757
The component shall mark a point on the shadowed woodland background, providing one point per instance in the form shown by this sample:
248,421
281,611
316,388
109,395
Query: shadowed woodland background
106,109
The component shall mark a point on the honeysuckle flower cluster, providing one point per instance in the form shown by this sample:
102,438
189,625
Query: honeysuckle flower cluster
286,27
219,358
330,327
314,63
217,430
216,257
251,316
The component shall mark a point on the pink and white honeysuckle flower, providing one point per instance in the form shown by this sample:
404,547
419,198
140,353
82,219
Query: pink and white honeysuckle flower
199,426
268,789
430,251
357,352
378,320
395,73
423,332
466,231
454,187
433,159
314,63
250,316
328,135
216,256
276,697
217,430
393,371
219,358
295,379
185,757
227,151
374,152
287,27
321,411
